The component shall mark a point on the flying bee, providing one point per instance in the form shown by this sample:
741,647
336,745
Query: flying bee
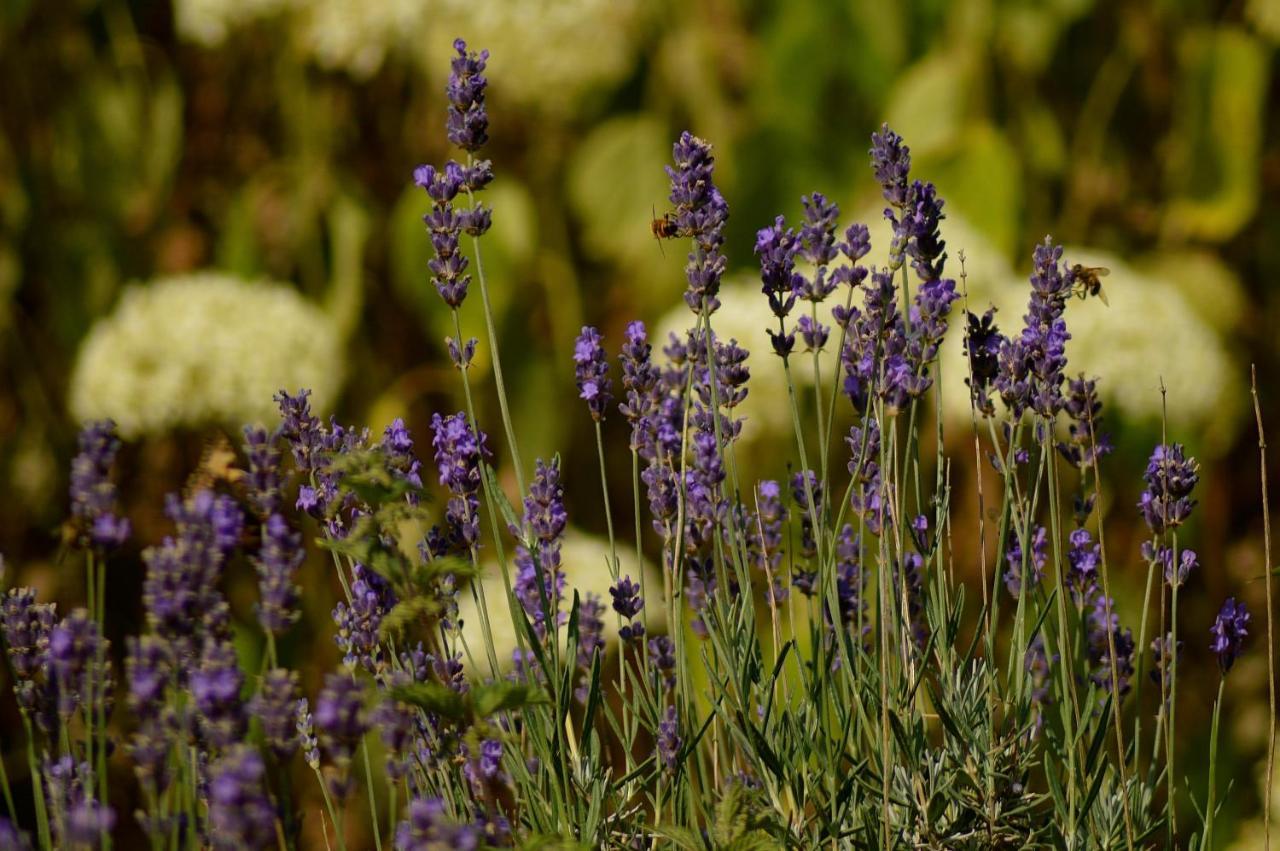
1087,281
664,227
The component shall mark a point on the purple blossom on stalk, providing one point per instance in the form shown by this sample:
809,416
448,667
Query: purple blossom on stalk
662,656
628,603
148,670
1032,364
891,160
591,365
1162,673
590,628
813,332
468,121
700,214
539,583
640,380
865,496
982,341
669,740
215,688
806,486
27,627
341,723
459,453
274,706
850,581
663,490
240,813
94,498
263,478
276,562
483,770
304,721
1015,556
445,223
1171,475
764,538
359,622
76,819
300,429
818,246
402,463
1086,442
461,355
78,653
1038,665
1083,559
777,247
12,838
1229,630
704,498
180,593
1104,630
395,722
427,827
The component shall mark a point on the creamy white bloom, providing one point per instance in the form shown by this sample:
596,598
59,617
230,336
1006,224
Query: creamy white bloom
204,348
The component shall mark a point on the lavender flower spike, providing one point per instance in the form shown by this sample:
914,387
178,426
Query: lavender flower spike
468,123
279,558
700,213
93,494
591,365
240,813
1228,633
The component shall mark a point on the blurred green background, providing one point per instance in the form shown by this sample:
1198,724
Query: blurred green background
161,163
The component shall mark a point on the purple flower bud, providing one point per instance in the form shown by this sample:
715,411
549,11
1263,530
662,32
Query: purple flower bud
274,706
1229,630
276,562
215,687
669,740
240,813
468,121
93,494
461,356
592,367
1170,476
340,717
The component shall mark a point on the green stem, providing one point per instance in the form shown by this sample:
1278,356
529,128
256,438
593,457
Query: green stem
1207,844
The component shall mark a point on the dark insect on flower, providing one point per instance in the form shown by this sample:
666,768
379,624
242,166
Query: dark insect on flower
1229,630
664,227
1087,282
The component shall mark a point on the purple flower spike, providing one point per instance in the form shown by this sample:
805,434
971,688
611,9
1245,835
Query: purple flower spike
240,813
468,121
1228,633
591,365
427,826
700,213
279,558
628,603
274,706
93,494
1170,476
669,741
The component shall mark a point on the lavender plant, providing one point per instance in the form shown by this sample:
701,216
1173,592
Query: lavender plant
825,679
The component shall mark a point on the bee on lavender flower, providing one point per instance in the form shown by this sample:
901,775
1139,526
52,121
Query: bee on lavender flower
664,227
1087,282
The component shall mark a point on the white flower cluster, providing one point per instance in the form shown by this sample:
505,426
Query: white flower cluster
204,348
550,50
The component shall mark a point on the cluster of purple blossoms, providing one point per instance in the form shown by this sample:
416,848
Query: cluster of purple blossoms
1032,364
315,446
427,827
1083,559
274,705
700,214
401,461
539,583
1085,443
662,656
215,686
467,128
149,670
276,562
1038,664
240,813
1229,630
591,366
1104,630
777,247
669,740
866,495
591,612
459,455
628,602
982,340
77,654
262,479
728,363
76,818
806,492
93,494
641,382
359,622
764,530
180,592
851,583
1015,557
1171,475
341,722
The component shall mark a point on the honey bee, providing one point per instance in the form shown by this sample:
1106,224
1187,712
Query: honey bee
217,464
664,227
1087,283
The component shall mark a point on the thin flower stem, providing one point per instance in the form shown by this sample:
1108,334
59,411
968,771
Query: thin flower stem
1266,564
608,512
37,788
497,359
1211,803
373,799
